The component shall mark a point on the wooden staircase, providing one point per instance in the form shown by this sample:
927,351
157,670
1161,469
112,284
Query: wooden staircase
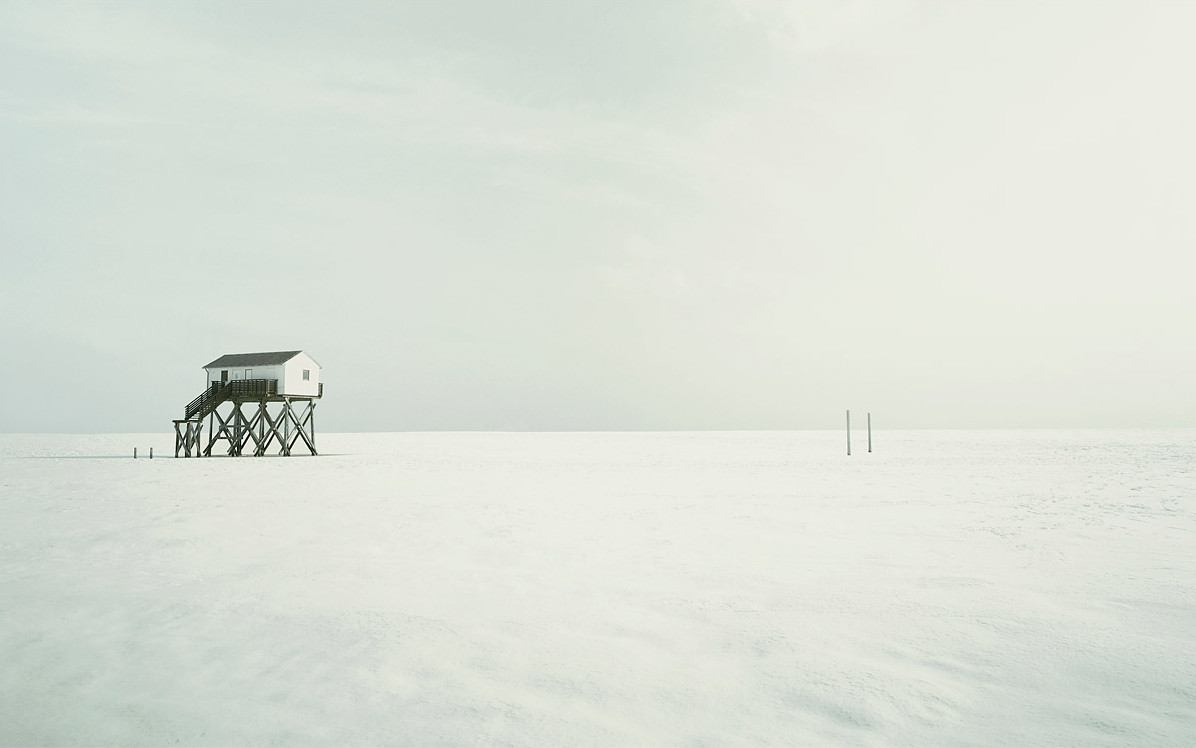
218,392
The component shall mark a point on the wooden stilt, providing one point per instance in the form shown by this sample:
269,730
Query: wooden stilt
186,438
286,426
259,445
305,428
218,434
253,431
311,417
273,424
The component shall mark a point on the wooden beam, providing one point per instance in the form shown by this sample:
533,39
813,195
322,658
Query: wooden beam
301,431
218,434
286,426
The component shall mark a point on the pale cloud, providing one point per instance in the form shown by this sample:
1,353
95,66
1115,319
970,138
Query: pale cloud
811,26
610,200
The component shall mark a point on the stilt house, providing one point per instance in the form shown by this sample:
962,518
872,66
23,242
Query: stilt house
287,380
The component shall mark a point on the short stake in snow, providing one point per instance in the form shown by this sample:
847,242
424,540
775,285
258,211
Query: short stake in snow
134,453
849,433
869,436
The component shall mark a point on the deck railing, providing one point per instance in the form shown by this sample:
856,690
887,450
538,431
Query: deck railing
218,392
252,387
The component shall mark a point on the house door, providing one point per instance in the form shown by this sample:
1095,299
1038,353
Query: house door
224,375
249,373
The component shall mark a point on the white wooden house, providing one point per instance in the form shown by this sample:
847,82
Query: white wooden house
297,373
285,382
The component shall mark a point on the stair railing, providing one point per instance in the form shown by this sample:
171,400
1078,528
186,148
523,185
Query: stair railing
218,392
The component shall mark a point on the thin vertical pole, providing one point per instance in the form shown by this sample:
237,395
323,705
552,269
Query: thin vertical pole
849,433
134,453
151,453
240,428
869,432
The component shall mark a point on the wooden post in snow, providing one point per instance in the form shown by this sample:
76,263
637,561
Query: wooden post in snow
849,433
869,433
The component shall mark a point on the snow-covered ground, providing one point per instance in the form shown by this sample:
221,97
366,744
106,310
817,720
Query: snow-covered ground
952,588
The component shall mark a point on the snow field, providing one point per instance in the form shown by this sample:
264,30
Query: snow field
953,588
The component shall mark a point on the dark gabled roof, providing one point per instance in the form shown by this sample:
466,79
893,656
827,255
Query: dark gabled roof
233,360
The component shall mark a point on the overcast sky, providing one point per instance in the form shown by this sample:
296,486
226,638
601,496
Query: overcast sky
607,215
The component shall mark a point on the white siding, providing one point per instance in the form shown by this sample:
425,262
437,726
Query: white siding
292,383
289,375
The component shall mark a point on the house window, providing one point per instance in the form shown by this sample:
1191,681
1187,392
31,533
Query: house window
306,375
